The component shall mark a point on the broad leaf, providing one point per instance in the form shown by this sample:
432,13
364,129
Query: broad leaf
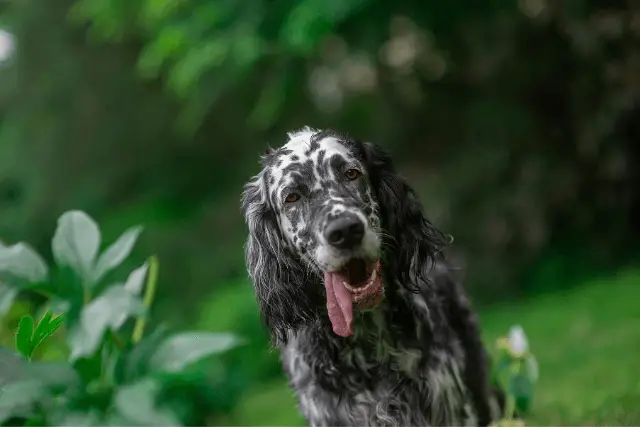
136,403
531,368
21,261
76,419
521,388
19,398
116,253
46,327
135,363
180,350
24,336
11,364
7,295
56,377
76,243
109,311
135,281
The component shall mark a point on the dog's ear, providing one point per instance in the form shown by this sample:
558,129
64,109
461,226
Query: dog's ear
278,278
413,237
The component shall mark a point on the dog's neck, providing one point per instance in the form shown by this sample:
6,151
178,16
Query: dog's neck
392,323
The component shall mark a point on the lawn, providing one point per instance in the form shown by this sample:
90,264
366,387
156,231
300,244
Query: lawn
587,341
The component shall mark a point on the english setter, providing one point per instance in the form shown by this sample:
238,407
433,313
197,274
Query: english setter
373,328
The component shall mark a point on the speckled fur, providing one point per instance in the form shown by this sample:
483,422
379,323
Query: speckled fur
417,359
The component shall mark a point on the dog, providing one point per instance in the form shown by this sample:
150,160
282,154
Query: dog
372,325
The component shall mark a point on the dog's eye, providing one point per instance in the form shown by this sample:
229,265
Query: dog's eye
352,174
292,197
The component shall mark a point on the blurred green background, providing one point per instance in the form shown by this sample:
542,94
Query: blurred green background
518,122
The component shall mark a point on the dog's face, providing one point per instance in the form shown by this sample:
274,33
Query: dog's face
318,185
320,207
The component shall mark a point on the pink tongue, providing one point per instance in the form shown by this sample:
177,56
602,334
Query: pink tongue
339,305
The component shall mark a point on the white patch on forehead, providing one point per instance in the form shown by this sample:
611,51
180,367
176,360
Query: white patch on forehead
300,141
298,146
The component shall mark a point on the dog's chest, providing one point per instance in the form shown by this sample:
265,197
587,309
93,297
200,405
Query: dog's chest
377,384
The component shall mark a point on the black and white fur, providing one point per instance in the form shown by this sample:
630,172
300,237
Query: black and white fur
417,359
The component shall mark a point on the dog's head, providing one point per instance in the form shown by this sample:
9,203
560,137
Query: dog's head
320,212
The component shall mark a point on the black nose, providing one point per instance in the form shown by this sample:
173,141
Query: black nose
345,232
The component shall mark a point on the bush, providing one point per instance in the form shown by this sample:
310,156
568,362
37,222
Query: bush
114,374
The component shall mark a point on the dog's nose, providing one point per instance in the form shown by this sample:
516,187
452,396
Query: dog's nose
345,232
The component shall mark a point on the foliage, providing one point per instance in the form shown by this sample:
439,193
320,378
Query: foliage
516,121
191,41
28,339
108,379
515,372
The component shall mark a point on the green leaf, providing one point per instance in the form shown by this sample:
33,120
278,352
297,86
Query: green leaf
11,364
57,377
521,388
154,11
135,281
21,261
24,336
531,368
109,311
7,295
501,371
76,242
18,398
310,20
135,362
76,419
180,350
116,253
46,327
136,403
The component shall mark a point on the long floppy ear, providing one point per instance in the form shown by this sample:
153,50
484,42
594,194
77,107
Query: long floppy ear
413,238
278,277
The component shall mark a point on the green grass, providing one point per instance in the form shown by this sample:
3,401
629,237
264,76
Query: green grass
587,342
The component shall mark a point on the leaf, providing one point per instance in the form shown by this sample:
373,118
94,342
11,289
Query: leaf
136,403
76,419
501,370
18,398
180,350
7,295
531,368
21,261
46,327
310,20
11,363
116,253
135,362
135,281
109,311
57,377
521,388
24,336
76,242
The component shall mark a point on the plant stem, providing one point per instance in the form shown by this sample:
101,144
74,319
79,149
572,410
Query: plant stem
510,404
86,294
509,407
149,294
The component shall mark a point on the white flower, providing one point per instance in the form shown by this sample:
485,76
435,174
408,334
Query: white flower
518,340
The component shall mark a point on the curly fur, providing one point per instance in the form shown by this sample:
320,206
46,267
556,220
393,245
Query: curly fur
417,359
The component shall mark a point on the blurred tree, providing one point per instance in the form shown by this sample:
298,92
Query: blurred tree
515,120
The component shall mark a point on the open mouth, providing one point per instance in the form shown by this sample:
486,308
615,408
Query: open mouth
359,277
357,284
